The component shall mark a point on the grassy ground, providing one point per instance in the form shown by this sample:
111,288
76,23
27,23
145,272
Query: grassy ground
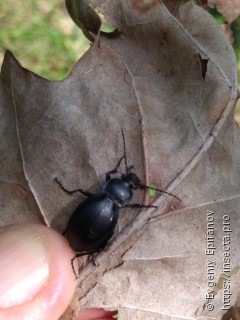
43,37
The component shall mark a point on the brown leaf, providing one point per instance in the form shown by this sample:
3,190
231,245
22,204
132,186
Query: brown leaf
232,314
84,16
180,135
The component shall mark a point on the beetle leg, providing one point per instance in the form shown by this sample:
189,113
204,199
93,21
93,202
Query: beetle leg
92,257
139,205
115,170
74,271
84,192
84,253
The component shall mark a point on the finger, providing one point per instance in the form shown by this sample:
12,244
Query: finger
96,313
37,280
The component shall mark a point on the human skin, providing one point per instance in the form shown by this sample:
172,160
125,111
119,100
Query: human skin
36,276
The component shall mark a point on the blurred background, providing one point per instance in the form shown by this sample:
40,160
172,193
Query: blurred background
42,36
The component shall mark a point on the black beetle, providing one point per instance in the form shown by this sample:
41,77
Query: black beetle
92,223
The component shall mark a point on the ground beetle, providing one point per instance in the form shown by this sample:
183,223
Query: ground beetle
93,222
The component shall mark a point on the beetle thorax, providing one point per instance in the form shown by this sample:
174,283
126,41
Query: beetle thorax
118,192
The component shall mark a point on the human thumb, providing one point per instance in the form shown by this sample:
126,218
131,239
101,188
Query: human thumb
37,280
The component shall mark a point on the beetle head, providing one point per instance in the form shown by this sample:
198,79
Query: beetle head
132,180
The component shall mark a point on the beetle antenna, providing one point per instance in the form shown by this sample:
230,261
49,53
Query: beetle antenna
141,186
124,154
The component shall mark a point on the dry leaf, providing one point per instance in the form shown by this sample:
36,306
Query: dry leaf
180,134
84,16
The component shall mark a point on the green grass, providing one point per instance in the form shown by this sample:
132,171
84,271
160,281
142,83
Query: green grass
41,35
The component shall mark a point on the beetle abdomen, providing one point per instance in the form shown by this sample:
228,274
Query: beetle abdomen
92,224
